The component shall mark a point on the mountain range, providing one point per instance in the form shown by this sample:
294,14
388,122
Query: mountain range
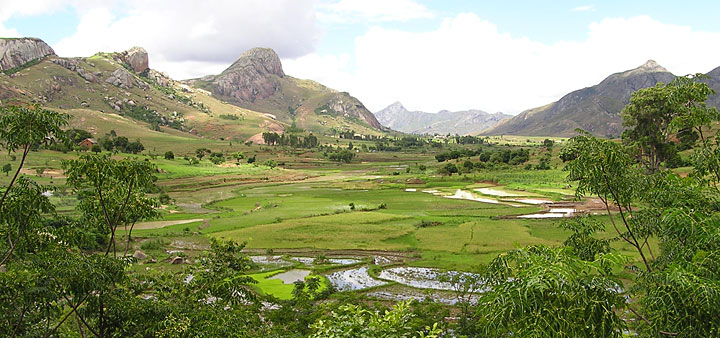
594,109
397,117
251,96
256,90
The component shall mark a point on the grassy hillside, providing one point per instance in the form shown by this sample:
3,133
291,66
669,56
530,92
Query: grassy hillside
187,113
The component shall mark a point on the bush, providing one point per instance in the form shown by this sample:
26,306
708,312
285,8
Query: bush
228,116
426,223
270,163
155,244
169,155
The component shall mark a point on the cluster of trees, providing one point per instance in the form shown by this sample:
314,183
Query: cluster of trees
507,156
215,157
78,135
469,139
343,155
113,142
289,139
229,117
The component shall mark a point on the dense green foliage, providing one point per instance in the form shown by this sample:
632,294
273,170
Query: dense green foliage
576,291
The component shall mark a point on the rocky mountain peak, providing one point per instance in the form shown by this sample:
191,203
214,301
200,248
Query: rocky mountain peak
136,58
262,60
17,52
251,77
651,66
396,105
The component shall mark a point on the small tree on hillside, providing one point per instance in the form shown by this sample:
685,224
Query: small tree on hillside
6,169
238,156
201,152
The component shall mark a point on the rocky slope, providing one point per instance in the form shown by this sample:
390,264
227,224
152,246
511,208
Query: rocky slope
397,117
101,87
256,81
15,53
595,109
254,76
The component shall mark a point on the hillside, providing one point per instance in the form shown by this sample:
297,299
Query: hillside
121,84
595,109
256,81
397,117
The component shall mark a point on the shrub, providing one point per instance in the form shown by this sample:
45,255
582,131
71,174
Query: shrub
153,244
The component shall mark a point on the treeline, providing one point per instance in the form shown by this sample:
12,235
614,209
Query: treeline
113,142
507,156
293,140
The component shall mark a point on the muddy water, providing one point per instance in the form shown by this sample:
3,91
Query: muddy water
310,261
292,276
533,201
466,195
495,192
553,213
354,279
269,260
426,278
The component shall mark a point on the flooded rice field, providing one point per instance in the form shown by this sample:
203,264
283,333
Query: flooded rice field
495,192
427,278
353,279
292,276
467,195
552,213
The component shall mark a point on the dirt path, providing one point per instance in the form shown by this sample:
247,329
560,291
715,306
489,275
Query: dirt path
162,224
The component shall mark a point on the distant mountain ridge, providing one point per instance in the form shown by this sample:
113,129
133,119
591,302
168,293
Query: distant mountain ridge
594,109
397,117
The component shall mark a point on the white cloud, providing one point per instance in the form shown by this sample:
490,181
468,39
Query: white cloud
468,63
586,8
186,38
347,11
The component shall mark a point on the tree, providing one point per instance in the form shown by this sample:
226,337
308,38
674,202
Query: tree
21,128
541,292
96,149
448,169
217,158
201,152
6,169
548,144
270,163
169,155
78,135
354,321
656,114
238,156
114,192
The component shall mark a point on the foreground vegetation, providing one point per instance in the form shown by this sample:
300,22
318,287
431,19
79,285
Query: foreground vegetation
83,252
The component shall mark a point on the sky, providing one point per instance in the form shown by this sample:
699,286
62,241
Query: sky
497,56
